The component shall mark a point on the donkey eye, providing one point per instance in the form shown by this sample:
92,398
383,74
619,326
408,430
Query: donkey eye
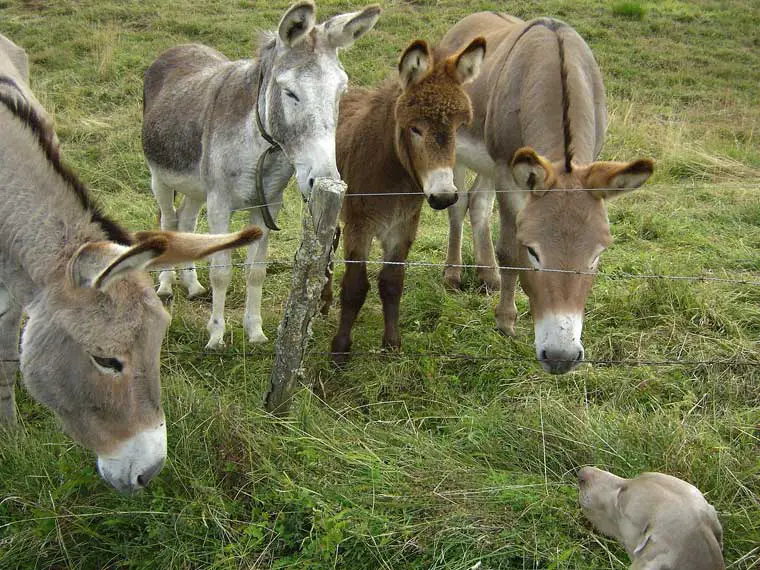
533,254
292,95
416,131
107,365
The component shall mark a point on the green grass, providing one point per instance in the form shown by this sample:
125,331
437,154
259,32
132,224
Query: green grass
629,10
420,461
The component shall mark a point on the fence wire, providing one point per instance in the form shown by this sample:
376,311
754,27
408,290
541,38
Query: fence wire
612,275
399,356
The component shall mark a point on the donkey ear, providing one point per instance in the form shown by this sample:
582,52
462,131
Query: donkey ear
532,171
415,63
465,67
612,179
100,264
297,22
345,29
188,247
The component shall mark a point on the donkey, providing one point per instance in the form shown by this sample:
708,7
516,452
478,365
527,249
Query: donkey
539,124
232,133
398,138
90,347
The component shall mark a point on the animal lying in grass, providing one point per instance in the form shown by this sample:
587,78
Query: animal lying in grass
397,140
90,349
663,523
539,119
232,133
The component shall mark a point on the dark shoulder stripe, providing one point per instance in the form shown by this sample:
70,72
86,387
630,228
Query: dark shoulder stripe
31,119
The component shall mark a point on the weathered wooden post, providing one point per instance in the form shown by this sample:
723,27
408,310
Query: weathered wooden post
318,227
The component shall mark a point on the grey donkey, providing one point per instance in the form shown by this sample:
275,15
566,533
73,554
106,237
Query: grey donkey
231,134
91,344
664,523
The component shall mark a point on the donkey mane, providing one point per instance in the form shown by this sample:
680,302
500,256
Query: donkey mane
554,26
31,119
566,130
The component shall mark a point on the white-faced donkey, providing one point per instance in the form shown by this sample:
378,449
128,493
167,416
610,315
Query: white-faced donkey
231,134
90,348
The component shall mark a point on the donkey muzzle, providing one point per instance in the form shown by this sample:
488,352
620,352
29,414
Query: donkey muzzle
558,342
439,189
138,460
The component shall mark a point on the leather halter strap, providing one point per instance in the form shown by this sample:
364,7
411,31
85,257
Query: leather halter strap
274,146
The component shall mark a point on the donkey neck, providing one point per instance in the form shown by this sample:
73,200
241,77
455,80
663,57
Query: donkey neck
44,219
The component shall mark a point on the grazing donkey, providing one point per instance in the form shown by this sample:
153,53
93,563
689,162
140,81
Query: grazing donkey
207,121
398,138
539,124
90,347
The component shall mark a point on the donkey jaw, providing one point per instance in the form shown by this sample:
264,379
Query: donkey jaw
439,189
136,462
316,161
558,341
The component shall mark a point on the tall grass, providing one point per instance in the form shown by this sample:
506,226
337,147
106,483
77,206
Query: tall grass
416,460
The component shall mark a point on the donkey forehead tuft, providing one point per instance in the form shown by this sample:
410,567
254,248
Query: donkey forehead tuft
109,320
437,98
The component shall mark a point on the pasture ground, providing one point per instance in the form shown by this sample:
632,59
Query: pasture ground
422,460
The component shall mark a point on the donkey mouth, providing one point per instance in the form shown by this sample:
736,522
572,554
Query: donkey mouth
442,201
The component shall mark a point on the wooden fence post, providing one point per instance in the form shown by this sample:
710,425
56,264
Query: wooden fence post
318,227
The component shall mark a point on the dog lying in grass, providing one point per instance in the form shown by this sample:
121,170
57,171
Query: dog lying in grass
663,523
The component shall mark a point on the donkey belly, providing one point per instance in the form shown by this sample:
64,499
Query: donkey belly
187,183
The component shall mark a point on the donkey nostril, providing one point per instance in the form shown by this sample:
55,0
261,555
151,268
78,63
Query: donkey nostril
141,481
544,355
311,182
580,355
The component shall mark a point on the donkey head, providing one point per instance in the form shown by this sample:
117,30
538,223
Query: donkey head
567,231
304,83
432,106
90,349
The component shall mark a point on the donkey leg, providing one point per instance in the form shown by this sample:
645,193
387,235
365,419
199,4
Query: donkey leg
481,201
506,310
396,245
220,273
257,271
452,276
165,197
353,289
10,321
188,219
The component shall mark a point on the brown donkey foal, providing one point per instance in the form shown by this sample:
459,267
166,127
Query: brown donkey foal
397,141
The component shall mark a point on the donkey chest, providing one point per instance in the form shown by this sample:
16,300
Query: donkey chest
472,152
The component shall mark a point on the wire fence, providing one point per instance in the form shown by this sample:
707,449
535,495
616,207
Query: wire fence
440,265
736,362
401,356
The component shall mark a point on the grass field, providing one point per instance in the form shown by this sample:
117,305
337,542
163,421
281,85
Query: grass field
419,460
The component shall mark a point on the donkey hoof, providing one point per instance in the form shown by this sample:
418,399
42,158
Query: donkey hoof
257,337
452,280
507,330
340,359
490,283
165,293
340,352
196,292
215,344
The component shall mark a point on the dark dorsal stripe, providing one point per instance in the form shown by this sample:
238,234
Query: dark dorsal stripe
24,112
566,131
554,26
